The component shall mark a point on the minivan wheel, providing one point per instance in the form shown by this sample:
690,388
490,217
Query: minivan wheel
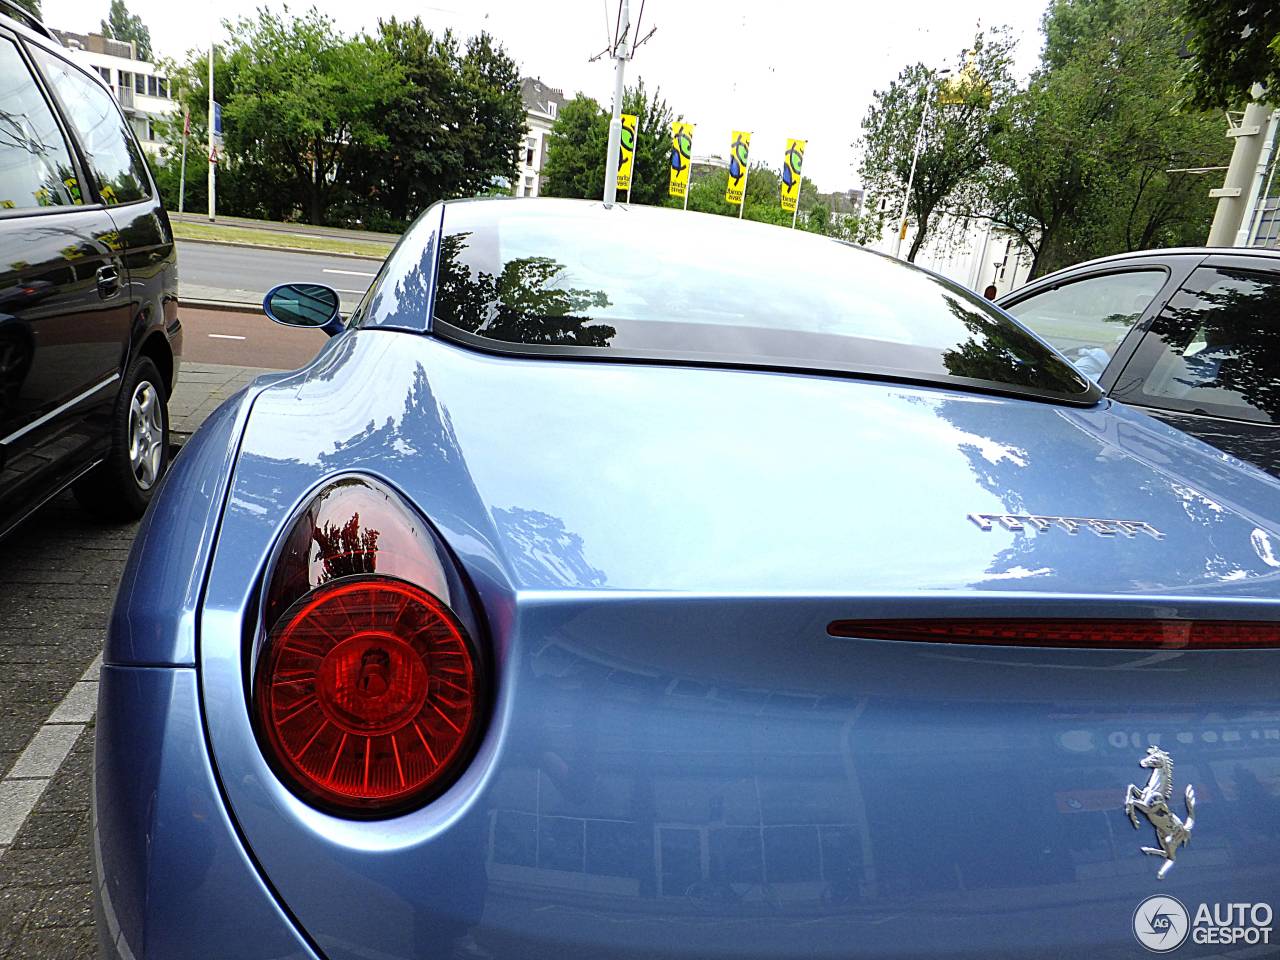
121,486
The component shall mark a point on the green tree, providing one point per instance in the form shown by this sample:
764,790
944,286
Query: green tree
1234,44
31,6
299,101
452,127
123,25
579,142
955,140
1082,166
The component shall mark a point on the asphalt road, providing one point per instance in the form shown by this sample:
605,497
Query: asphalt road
208,271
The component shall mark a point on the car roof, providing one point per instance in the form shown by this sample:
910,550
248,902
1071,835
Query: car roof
1156,256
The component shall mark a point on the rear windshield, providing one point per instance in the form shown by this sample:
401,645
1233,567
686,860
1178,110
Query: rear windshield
575,279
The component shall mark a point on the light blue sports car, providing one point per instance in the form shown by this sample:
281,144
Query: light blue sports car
631,583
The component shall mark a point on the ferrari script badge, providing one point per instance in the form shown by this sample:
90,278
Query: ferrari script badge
1152,801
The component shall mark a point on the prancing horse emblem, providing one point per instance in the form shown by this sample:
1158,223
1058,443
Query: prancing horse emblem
1152,801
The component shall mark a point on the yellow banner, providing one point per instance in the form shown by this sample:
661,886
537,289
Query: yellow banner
681,152
792,161
738,153
626,151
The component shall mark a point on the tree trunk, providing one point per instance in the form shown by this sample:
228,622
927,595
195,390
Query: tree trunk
918,242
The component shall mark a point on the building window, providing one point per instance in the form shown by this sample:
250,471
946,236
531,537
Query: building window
126,80
528,156
551,108
105,73
140,82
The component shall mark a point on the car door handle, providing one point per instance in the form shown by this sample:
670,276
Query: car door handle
108,282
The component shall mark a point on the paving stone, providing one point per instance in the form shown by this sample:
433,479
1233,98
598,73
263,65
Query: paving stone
17,799
64,943
47,829
58,576
45,868
68,789
46,751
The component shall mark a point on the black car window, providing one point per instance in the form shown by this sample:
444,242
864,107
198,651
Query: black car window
1087,319
35,163
115,160
558,278
1216,348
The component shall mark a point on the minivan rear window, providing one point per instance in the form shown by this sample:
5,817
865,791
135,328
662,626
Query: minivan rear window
573,279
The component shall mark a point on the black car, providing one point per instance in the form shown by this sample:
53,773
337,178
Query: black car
1190,335
89,334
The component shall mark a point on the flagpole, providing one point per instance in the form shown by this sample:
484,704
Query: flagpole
745,174
796,211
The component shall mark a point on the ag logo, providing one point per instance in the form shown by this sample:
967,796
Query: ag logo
1161,924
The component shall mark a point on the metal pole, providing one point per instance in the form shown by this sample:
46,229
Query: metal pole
1232,202
796,211
911,178
182,172
745,174
615,123
213,167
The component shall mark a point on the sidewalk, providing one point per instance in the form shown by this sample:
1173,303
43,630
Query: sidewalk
201,388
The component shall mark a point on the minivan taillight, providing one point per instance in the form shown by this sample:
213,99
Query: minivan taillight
367,687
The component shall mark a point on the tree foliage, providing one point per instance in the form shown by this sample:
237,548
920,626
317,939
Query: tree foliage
123,25
579,144
955,138
1082,165
451,126
31,6
1234,44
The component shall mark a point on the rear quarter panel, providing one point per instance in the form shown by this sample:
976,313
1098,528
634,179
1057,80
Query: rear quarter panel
681,761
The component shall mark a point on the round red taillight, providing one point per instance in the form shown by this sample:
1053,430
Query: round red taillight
367,693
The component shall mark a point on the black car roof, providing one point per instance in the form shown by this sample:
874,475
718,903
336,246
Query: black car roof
1158,256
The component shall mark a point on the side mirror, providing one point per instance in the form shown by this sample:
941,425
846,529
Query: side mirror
304,305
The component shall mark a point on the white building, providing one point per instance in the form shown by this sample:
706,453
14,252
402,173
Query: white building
143,92
541,107
975,254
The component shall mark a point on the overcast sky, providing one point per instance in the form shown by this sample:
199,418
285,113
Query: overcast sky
786,68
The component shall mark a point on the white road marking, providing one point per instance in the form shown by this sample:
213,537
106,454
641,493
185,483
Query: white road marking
349,273
224,336
36,766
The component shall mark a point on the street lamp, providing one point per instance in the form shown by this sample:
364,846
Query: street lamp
915,156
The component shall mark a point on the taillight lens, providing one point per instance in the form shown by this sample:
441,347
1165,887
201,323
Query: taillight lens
1119,634
367,693
368,689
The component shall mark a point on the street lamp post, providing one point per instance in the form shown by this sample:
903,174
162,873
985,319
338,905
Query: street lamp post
615,123
915,158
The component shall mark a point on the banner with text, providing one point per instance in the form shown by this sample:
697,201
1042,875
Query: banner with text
739,151
681,151
792,161
626,151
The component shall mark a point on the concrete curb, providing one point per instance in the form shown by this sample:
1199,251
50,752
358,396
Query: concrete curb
231,306
267,246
